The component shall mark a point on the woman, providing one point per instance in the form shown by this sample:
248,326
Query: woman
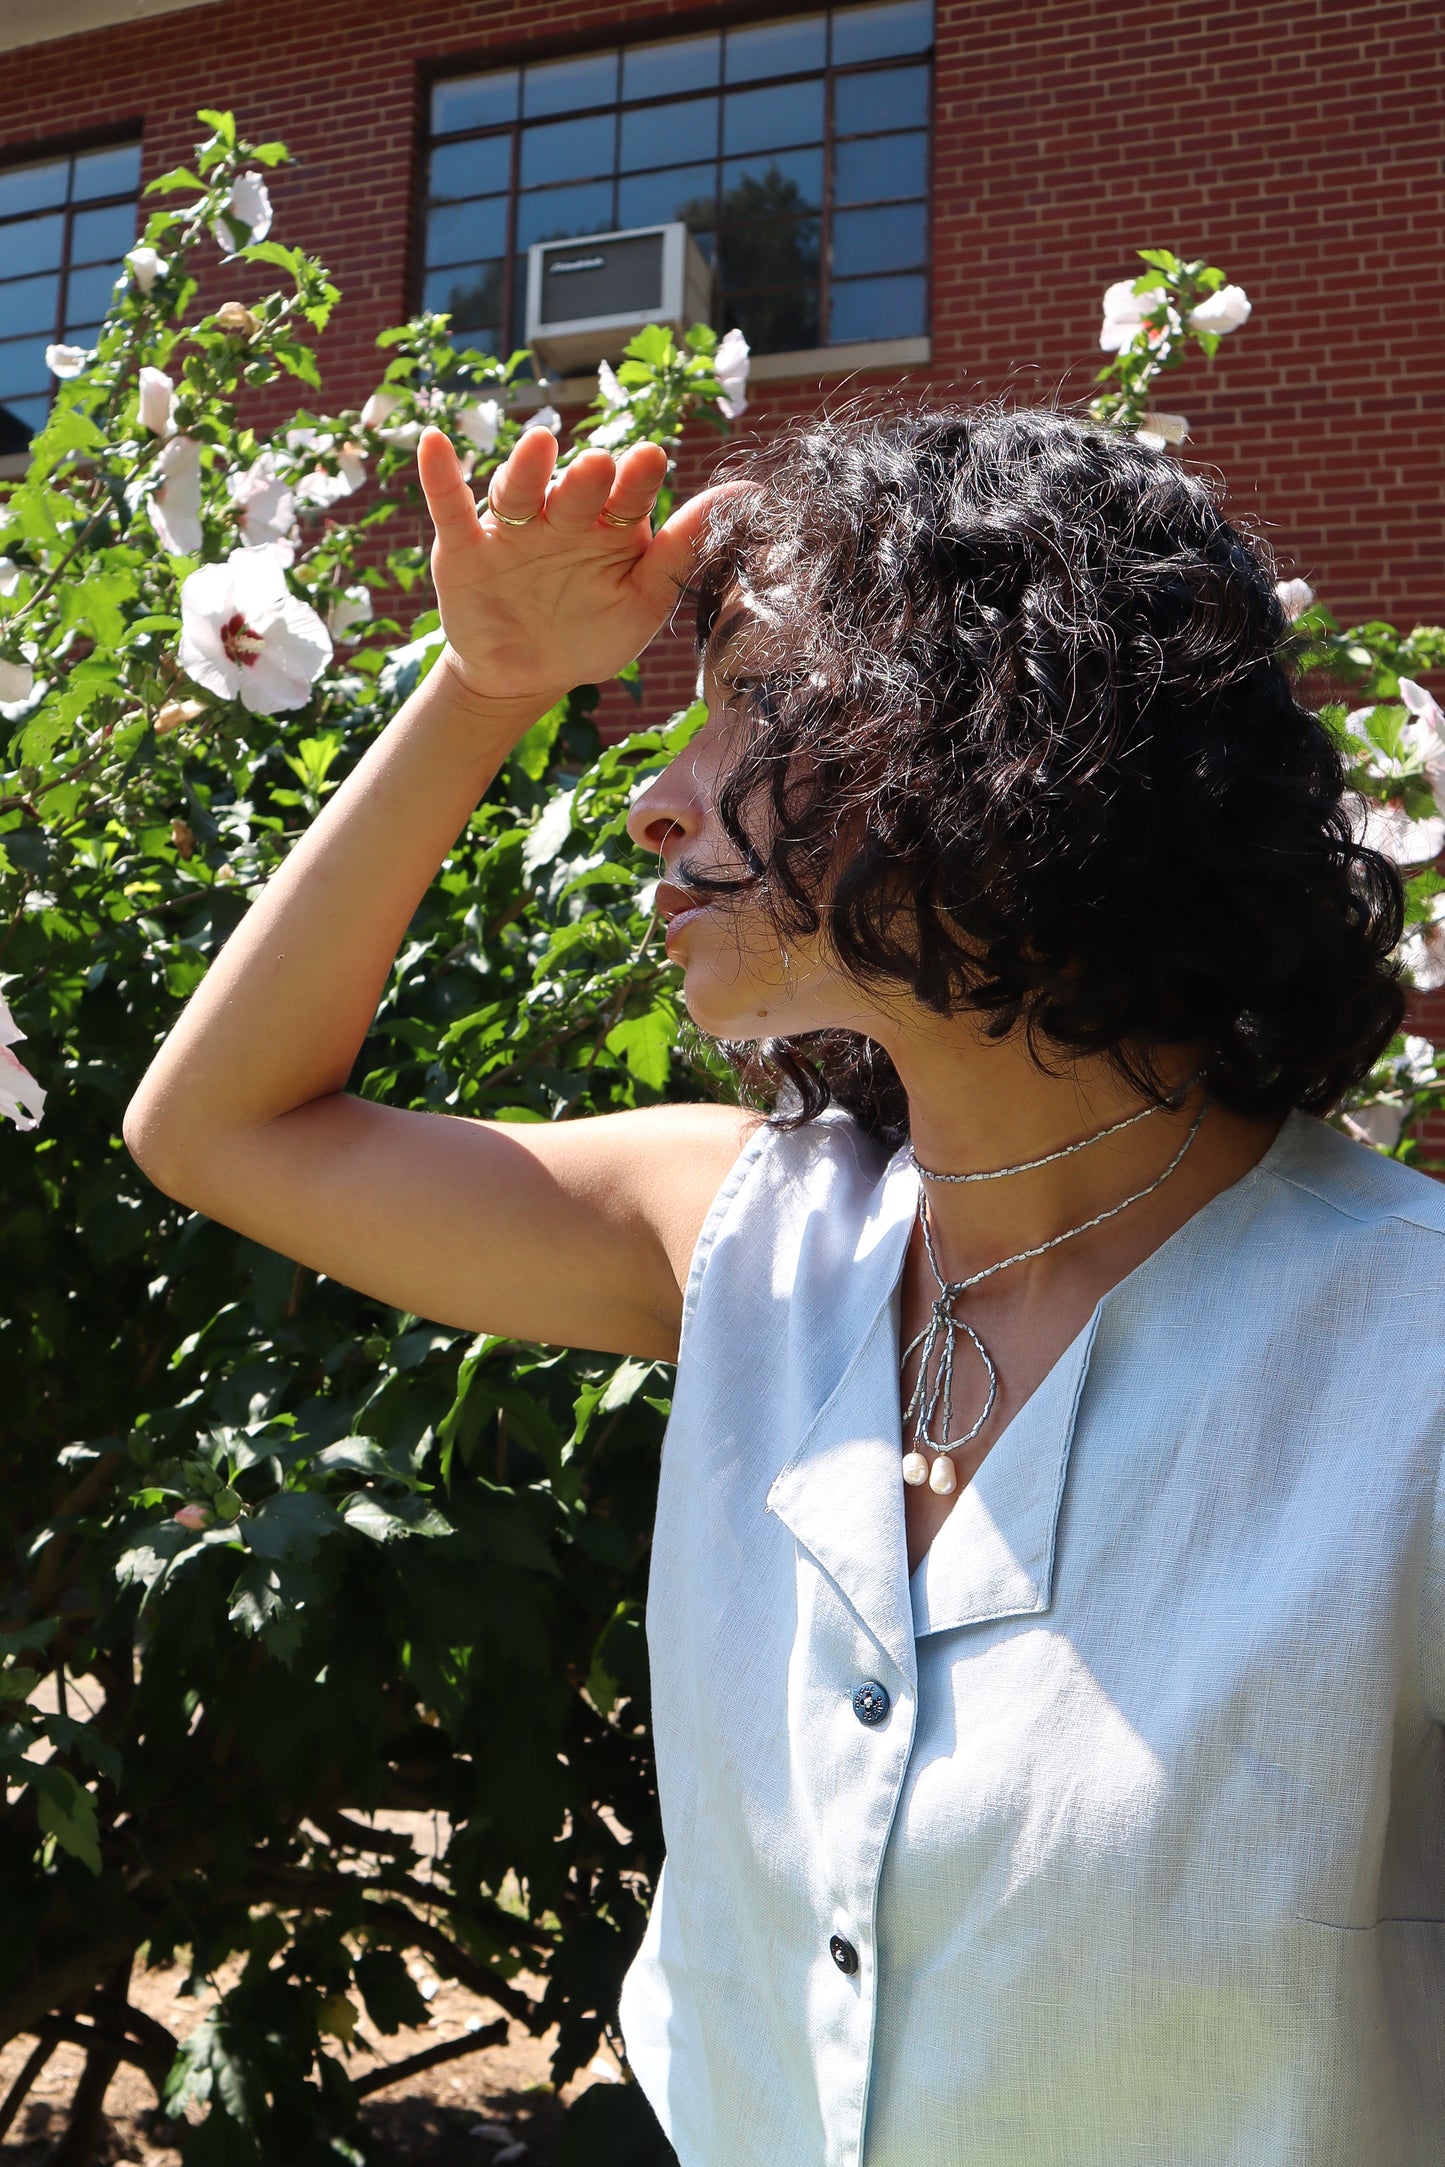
1048,1600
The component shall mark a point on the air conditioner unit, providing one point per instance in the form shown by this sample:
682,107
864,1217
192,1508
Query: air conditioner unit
586,297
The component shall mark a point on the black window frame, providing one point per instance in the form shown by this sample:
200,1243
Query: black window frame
500,62
120,136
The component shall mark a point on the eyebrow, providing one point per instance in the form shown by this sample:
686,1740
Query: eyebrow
723,632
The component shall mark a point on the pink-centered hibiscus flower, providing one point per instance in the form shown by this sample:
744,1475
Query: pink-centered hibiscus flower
247,637
22,1100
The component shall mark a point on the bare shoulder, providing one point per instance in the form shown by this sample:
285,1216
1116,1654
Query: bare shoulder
663,1165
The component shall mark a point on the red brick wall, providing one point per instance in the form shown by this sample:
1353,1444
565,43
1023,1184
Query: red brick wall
1298,144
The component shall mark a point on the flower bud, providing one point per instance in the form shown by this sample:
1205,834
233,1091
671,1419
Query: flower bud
175,712
235,317
195,1517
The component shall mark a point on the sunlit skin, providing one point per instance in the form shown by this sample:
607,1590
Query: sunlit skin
582,1232
973,1103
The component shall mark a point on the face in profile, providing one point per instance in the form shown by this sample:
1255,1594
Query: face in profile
741,978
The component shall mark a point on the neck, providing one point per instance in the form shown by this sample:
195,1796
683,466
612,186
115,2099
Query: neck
974,1106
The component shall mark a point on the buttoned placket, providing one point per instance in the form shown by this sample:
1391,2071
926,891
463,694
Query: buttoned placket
841,1497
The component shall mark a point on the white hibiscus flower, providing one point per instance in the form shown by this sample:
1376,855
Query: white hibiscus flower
247,637
175,508
479,422
17,682
156,392
1222,311
67,361
349,612
265,506
248,210
730,366
22,1099
1295,597
1124,313
146,266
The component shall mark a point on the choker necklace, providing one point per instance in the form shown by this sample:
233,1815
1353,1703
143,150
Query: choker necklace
943,1326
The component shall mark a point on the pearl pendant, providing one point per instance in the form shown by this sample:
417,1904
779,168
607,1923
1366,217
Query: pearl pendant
943,1476
915,1468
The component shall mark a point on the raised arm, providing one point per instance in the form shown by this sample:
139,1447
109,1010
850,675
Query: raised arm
575,1233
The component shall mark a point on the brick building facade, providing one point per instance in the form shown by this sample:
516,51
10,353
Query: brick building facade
1296,144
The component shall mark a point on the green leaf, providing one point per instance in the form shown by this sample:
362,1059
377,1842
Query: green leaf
369,1516
392,1997
66,1811
652,345
289,1527
645,1044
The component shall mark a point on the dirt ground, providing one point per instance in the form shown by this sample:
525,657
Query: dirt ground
488,2109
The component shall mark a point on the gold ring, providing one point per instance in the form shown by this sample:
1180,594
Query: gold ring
610,519
505,517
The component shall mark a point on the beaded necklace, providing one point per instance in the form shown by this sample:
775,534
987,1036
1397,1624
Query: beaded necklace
943,1326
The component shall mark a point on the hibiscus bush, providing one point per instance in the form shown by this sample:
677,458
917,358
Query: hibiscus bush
275,1557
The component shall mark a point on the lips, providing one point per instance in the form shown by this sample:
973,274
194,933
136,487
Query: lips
676,905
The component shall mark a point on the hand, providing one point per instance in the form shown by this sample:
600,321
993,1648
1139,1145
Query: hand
569,598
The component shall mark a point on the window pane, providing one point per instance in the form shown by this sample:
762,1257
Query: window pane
565,86
113,172
30,304
87,335
102,236
33,188
893,98
773,119
874,167
20,419
661,71
904,26
886,240
663,135
776,49
877,308
555,213
471,294
790,180
774,323
651,199
784,252
568,150
478,101
472,169
88,293
465,231
22,366
33,245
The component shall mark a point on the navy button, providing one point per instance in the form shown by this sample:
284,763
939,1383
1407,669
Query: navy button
844,1955
870,1701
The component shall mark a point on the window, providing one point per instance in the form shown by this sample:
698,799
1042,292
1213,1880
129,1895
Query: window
797,153
65,225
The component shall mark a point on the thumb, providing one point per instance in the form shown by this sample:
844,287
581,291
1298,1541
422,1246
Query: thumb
666,564
451,503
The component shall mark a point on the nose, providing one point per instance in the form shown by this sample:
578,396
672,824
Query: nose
669,811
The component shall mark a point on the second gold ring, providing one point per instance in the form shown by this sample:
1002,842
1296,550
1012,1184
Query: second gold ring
506,517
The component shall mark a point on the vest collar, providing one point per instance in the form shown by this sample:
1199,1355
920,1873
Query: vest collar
841,1493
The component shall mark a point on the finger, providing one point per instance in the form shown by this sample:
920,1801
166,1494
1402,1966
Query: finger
666,565
448,499
579,494
518,487
640,474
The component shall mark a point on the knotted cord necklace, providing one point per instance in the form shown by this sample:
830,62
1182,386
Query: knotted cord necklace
944,1327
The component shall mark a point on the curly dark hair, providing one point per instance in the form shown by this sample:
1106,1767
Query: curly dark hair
1024,742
